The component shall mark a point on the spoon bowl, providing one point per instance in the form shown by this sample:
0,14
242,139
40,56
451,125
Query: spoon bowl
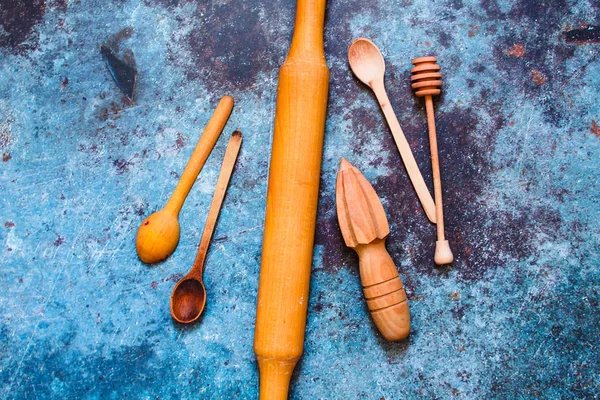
366,61
157,236
189,295
188,299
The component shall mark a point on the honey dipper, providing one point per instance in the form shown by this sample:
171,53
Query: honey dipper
365,227
426,82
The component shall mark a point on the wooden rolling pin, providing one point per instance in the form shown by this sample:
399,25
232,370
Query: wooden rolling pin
365,227
292,203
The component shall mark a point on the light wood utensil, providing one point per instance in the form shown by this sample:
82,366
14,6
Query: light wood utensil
368,65
189,294
426,82
365,227
292,196
158,235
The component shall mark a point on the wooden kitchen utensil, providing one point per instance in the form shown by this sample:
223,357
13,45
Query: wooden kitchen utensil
368,65
426,82
365,227
189,294
292,196
158,235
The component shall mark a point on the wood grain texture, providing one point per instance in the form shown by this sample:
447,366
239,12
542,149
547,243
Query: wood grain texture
158,235
292,197
426,82
189,294
364,226
368,65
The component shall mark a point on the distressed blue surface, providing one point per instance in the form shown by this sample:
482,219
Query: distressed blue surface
516,316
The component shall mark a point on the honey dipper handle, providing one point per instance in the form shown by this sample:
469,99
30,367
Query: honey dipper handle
407,157
443,254
205,145
384,291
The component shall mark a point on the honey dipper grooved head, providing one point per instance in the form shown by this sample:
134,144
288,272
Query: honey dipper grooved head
426,78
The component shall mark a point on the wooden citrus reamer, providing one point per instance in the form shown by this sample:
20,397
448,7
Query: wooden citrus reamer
292,197
365,227
426,81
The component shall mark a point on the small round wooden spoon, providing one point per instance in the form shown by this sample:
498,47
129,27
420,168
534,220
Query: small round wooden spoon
158,235
189,294
368,65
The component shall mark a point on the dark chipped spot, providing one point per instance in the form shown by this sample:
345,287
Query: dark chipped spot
6,157
64,82
154,285
219,46
146,223
9,224
59,240
595,129
122,165
445,39
17,20
180,142
173,278
584,35
455,296
140,209
518,50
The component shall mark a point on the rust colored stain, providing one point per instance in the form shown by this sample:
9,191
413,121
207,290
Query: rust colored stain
595,129
9,224
518,50
6,157
538,77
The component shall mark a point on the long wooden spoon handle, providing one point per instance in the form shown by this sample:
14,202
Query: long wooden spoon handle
405,152
205,145
231,153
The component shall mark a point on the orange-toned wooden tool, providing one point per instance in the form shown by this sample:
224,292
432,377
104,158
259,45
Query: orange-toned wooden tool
158,235
426,82
189,294
292,198
365,227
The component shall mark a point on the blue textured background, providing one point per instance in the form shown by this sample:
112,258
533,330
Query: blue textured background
516,316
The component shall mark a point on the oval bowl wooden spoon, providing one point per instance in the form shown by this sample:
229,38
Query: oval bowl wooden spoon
368,65
158,235
189,294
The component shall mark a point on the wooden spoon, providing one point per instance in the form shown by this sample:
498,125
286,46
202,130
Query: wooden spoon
158,235
189,295
368,65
